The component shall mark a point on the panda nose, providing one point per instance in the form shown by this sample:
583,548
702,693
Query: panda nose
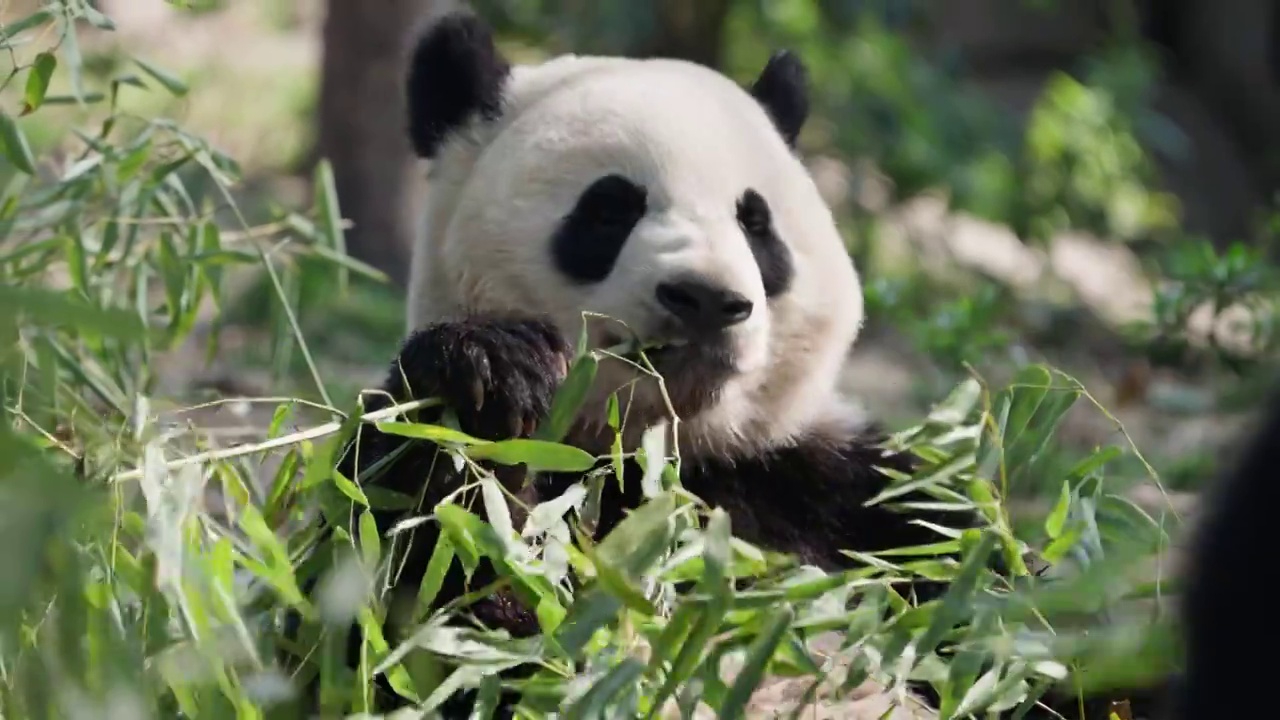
703,307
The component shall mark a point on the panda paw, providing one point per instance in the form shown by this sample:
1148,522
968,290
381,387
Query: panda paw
498,375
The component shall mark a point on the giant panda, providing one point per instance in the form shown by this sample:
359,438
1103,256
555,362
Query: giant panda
622,199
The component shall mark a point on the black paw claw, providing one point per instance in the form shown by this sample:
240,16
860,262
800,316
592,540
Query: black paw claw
497,375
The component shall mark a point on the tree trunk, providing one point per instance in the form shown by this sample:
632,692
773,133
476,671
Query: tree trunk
688,30
362,126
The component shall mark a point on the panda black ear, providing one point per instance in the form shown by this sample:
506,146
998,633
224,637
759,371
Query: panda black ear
455,73
783,90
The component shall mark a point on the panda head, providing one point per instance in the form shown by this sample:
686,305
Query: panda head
657,193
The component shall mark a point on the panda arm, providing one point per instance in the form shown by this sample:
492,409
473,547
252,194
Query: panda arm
498,375
809,498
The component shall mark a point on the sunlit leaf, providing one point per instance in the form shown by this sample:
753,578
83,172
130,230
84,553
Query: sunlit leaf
538,455
14,145
169,81
38,81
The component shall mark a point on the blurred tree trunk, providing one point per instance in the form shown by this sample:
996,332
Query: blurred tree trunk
688,30
362,126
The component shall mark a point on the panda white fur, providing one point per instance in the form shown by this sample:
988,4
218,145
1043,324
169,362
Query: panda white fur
661,194
679,158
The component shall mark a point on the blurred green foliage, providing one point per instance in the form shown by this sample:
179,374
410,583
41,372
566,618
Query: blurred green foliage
1083,159
1079,163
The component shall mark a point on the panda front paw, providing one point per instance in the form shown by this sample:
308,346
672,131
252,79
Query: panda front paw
498,375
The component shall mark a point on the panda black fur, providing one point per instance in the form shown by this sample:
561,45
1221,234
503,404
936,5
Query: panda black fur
1231,545
659,193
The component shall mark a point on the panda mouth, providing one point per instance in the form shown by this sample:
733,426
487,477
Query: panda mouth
693,371
669,353
637,351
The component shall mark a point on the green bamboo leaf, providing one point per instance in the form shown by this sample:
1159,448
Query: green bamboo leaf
487,698
53,308
590,611
759,654
278,416
214,260
617,584
550,614
423,431
965,667
569,398
652,458
349,488
695,628
1058,549
1094,462
370,539
322,463
174,280
38,81
595,702
277,571
129,79
349,263
636,543
169,81
282,483
77,264
14,144
717,553
1058,516
472,537
495,507
330,215
454,521
433,579
1037,407
927,477
12,30
381,498
86,99
82,167
956,406
96,18
673,635
396,673
73,60
538,455
956,603
550,512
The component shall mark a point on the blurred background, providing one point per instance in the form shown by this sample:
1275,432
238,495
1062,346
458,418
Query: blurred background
1091,183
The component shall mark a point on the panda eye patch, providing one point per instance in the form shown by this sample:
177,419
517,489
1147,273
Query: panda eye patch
771,254
589,239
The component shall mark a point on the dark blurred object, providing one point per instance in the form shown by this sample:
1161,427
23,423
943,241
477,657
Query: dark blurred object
695,31
1225,623
1228,55
362,128
687,30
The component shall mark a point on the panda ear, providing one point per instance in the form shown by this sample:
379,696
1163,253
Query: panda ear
783,90
455,73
